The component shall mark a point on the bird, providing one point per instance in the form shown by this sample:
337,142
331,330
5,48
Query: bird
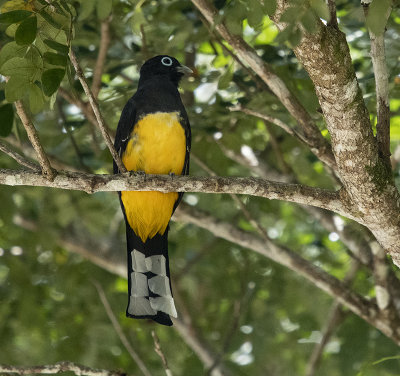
153,137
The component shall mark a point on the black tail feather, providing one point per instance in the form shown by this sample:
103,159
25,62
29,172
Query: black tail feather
156,305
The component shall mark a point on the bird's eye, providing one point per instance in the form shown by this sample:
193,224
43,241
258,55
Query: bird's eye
167,61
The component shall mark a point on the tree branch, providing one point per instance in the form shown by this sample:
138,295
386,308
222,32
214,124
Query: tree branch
331,285
158,350
106,258
118,330
378,58
332,13
96,110
90,183
247,54
366,177
101,57
19,158
57,368
276,121
47,171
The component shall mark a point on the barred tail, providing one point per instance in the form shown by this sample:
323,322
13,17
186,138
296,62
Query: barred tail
150,294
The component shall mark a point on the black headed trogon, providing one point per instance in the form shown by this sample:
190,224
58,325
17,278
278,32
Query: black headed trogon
153,136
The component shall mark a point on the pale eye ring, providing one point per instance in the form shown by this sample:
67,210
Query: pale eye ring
167,61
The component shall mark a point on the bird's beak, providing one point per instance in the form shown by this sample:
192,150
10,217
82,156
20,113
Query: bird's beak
184,70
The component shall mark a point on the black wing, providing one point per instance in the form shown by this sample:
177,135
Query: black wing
124,129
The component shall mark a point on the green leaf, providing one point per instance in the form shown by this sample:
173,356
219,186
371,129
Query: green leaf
225,79
16,88
64,4
14,16
137,20
320,8
51,80
49,19
270,6
59,8
11,50
103,8
295,37
86,9
26,32
377,16
55,59
309,21
255,13
18,66
36,98
7,119
290,15
57,46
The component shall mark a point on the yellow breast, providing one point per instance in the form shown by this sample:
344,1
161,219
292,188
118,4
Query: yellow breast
157,145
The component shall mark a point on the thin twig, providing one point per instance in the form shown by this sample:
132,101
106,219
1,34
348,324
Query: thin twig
119,330
47,171
101,57
332,13
158,350
275,121
19,158
96,110
378,58
27,149
57,368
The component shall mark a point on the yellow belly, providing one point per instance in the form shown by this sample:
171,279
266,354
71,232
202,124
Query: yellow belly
157,145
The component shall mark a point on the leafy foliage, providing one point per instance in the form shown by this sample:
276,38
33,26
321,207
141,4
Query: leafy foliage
49,308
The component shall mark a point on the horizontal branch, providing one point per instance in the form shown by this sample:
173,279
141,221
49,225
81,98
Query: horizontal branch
90,183
293,261
56,368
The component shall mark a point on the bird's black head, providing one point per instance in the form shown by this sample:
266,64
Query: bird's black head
164,67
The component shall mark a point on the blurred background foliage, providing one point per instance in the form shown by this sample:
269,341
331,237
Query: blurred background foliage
260,317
